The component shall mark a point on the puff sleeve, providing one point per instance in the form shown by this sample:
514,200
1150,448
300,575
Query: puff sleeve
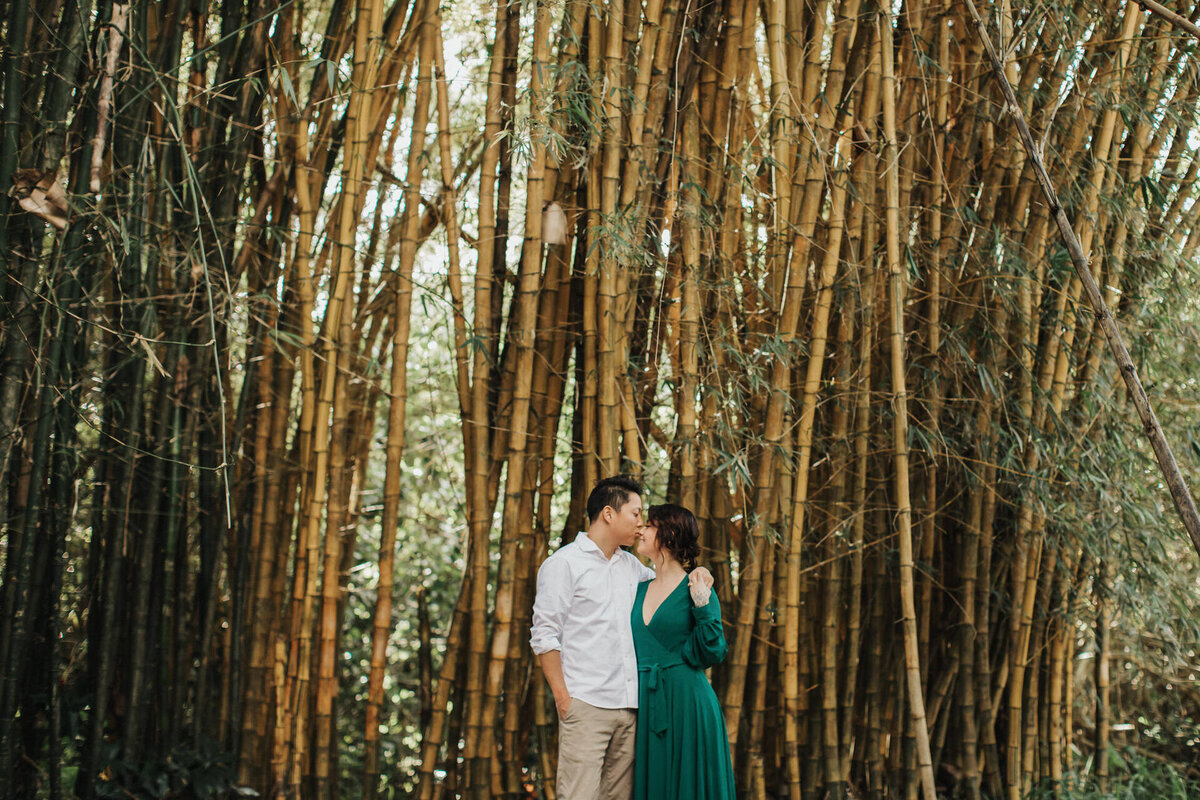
706,645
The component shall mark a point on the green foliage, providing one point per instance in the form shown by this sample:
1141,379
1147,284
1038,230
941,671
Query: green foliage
429,555
190,771
1135,777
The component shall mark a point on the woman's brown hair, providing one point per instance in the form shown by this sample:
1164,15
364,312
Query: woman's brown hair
678,532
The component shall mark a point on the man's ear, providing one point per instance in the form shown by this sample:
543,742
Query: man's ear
608,514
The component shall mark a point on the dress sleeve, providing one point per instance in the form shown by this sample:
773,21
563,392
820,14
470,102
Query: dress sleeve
706,645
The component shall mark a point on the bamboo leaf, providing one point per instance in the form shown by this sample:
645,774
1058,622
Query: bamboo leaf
289,91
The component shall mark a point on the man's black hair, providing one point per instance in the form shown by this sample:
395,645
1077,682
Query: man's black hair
614,491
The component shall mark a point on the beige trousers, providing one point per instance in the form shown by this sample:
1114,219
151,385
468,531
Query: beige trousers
595,752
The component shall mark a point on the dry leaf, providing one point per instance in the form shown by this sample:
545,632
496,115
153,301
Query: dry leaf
41,194
141,340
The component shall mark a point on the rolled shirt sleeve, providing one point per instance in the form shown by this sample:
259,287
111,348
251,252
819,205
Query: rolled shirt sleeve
550,606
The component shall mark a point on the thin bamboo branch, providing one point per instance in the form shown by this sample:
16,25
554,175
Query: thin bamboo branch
1170,16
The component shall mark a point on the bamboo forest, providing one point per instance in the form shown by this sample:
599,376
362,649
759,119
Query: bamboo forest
321,318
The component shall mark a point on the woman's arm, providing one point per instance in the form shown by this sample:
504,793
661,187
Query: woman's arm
706,646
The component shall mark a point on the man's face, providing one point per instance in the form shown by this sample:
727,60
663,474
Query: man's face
626,521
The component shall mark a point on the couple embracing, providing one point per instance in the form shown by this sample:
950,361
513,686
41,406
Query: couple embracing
624,649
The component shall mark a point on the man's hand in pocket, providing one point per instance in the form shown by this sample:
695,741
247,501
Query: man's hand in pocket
564,704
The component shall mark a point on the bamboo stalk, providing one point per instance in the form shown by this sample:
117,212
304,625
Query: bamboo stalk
804,446
402,289
434,734
368,20
966,685
477,468
1172,476
836,760
1169,15
611,266
523,340
900,405
304,569
689,323
450,217
875,744
1103,655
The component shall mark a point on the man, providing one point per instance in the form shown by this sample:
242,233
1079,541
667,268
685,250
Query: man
582,637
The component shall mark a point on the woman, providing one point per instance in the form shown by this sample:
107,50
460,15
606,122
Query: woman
682,750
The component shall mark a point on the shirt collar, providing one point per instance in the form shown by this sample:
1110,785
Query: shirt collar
588,546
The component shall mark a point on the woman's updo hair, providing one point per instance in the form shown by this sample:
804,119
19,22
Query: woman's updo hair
678,532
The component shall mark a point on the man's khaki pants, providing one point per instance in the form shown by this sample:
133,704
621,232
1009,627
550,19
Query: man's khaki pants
595,752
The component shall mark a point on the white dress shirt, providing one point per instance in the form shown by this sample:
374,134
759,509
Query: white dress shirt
582,609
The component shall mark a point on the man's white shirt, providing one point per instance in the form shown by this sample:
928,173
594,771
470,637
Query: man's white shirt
582,609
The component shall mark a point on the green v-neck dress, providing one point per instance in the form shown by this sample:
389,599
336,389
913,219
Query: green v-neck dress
682,749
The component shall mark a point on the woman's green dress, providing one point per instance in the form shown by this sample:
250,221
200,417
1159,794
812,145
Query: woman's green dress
682,747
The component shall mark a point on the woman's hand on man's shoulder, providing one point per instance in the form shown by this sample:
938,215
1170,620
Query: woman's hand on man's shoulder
700,582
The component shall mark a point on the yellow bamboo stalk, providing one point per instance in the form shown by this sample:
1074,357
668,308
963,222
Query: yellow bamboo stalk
269,588
397,403
368,20
450,217
818,341
1033,691
435,732
1135,166
900,410
754,775
966,685
1053,376
766,495
548,393
522,340
610,264
331,559
876,741
929,529
861,227
636,163
1103,655
836,760
547,402
689,320
784,108
806,71
263,618
478,465
304,571
989,753
1057,679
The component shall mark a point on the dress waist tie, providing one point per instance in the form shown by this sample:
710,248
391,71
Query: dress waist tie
651,676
